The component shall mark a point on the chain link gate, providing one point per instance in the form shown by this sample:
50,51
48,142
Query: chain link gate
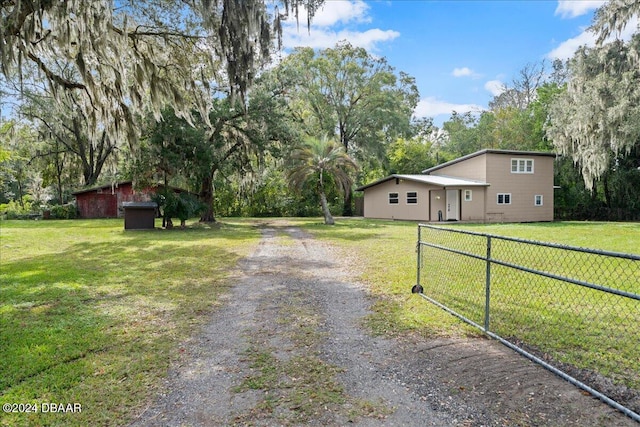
554,304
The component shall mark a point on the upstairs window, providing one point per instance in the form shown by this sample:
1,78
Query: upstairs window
412,197
521,165
393,198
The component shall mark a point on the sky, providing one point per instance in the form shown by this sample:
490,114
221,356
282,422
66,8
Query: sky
461,52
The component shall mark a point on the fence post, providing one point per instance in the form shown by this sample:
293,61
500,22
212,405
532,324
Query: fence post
418,250
487,286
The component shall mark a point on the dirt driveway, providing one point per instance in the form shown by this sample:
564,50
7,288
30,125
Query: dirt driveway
287,347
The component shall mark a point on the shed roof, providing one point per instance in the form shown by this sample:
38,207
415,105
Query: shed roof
123,183
488,151
441,181
102,187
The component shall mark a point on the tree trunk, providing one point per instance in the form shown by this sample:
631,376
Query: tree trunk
607,190
59,164
89,177
59,189
347,209
20,193
206,197
328,219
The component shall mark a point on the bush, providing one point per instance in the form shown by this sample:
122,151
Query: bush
13,210
182,206
67,211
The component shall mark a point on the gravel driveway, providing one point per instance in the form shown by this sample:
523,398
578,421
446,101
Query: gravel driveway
286,346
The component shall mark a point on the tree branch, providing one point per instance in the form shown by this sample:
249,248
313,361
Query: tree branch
53,76
26,10
135,33
45,154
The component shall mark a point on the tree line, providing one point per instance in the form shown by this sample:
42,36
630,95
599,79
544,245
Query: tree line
182,93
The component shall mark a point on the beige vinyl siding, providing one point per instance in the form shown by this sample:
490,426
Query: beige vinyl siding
523,188
376,201
473,168
438,203
473,210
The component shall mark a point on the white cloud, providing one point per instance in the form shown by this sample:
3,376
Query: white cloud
566,49
322,39
575,8
335,12
330,25
495,87
431,106
462,72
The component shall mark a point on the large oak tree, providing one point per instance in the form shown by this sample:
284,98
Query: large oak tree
347,93
123,59
598,117
129,57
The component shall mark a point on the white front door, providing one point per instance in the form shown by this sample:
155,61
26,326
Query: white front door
452,205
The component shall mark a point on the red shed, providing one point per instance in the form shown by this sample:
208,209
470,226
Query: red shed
106,201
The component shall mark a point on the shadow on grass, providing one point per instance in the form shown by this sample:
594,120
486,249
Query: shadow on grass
241,229
193,231
61,223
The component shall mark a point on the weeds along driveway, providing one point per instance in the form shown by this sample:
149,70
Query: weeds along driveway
287,347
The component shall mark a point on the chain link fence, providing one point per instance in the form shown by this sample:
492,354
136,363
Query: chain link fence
575,311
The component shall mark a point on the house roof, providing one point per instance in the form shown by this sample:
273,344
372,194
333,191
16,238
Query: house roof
489,151
441,181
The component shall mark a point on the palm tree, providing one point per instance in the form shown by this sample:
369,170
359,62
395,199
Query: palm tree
317,160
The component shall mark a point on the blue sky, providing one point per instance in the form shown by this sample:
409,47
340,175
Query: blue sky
461,53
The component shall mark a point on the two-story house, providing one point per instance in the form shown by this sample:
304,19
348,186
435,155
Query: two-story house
485,186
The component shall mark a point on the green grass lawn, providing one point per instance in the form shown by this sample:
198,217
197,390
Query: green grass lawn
609,236
91,314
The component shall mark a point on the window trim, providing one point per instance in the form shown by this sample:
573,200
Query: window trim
469,193
396,198
414,198
521,165
504,196
535,200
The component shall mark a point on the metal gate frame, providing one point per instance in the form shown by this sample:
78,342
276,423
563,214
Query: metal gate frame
486,326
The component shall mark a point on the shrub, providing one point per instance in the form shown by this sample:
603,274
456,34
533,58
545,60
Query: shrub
182,206
13,210
67,211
